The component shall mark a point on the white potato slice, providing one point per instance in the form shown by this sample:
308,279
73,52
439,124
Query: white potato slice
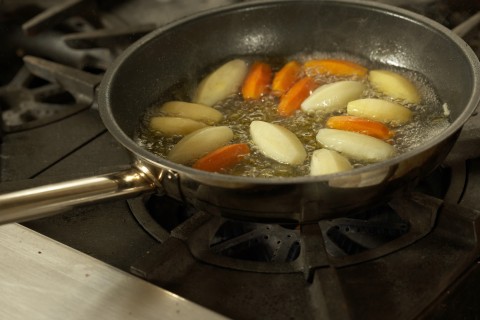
326,161
172,126
380,110
199,143
355,145
333,96
277,142
194,111
221,83
394,85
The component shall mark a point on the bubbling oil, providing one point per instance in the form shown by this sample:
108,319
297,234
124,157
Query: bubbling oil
428,121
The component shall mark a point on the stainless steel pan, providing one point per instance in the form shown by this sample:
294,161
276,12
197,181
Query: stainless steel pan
183,51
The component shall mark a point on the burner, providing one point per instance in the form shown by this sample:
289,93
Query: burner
288,247
362,232
29,101
81,42
256,242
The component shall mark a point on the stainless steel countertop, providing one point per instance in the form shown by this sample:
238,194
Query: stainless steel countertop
43,279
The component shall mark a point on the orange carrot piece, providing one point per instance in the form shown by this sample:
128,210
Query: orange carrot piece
222,158
336,67
257,81
294,97
361,125
285,78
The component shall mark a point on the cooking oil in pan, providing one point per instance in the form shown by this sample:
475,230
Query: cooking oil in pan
429,120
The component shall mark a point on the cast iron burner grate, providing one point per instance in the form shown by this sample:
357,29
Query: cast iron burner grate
281,248
256,242
291,247
81,39
365,231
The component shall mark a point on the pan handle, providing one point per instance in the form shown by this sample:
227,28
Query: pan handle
465,27
51,199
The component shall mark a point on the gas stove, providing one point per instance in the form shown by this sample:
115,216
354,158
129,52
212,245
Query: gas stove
415,257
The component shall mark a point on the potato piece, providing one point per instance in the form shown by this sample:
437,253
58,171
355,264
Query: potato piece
224,81
199,143
172,126
333,96
192,111
326,161
380,110
394,85
355,145
277,142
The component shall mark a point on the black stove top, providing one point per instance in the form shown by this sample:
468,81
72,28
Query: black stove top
415,257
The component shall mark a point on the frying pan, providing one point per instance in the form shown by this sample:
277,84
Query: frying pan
181,53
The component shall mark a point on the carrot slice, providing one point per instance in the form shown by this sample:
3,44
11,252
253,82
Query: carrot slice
257,82
361,125
334,67
294,97
285,78
222,158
